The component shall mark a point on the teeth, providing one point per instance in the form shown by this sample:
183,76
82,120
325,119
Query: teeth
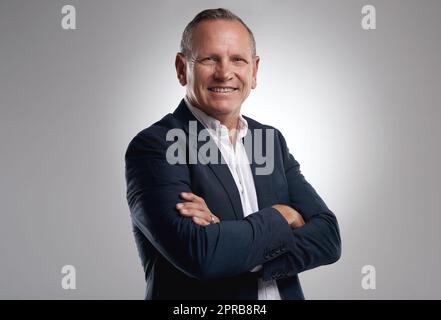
221,89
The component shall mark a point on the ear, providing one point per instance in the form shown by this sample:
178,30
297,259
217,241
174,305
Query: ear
256,60
181,69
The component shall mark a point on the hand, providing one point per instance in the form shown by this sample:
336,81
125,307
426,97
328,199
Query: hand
196,209
294,219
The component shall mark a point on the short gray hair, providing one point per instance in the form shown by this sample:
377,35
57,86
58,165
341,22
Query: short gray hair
211,14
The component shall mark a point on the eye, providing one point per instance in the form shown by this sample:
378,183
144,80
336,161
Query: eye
239,60
207,60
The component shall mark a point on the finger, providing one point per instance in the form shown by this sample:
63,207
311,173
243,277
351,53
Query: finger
298,221
207,217
191,205
300,218
195,213
189,196
215,219
200,221
204,215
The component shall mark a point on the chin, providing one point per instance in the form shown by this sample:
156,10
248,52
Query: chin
224,107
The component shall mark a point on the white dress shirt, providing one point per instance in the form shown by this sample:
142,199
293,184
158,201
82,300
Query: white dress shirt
237,160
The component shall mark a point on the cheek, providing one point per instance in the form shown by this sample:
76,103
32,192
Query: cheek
195,84
202,77
247,83
246,77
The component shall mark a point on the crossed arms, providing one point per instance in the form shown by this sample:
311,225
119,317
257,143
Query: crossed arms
271,237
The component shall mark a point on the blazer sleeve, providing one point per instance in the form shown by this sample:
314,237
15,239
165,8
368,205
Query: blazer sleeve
318,241
225,249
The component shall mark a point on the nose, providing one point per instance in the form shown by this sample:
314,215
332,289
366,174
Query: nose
223,71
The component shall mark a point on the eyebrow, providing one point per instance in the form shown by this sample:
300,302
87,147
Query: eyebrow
203,56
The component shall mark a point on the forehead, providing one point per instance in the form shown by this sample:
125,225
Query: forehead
221,35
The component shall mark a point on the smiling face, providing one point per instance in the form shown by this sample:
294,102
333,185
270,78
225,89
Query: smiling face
221,70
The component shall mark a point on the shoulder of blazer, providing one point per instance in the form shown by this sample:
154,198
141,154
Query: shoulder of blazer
253,124
153,137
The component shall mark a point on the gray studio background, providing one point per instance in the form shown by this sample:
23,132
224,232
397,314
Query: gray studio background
360,111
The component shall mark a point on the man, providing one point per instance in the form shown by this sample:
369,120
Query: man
221,230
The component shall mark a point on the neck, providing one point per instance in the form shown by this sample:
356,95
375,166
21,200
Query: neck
231,123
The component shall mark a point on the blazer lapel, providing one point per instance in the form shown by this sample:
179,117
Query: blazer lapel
262,183
221,170
223,173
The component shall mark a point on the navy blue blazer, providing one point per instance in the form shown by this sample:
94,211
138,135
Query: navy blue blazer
182,260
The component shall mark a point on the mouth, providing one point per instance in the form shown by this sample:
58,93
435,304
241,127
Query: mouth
223,89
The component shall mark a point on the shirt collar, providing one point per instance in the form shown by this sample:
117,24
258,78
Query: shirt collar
215,125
